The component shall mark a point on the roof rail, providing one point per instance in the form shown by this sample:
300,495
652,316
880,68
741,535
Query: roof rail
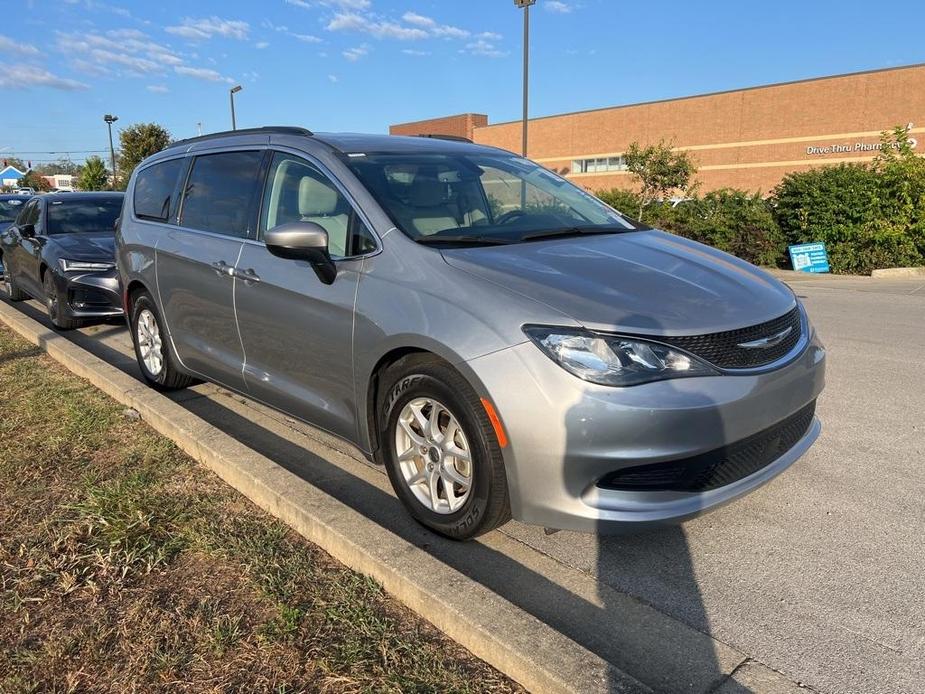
439,136
264,130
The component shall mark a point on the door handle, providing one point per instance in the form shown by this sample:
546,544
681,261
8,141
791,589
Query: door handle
223,269
248,276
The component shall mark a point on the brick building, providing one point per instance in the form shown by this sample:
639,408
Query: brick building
746,138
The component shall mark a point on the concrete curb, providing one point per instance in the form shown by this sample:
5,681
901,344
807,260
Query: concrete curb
493,629
899,272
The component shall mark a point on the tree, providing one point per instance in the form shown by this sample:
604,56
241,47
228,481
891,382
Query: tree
33,180
93,175
137,142
62,166
660,171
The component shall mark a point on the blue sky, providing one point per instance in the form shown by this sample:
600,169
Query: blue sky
362,64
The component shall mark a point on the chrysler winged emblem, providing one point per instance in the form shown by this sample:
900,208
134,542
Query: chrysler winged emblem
765,342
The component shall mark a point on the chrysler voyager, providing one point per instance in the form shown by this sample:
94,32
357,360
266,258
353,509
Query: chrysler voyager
503,342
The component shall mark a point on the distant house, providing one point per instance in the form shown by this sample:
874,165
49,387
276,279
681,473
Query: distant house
63,182
10,176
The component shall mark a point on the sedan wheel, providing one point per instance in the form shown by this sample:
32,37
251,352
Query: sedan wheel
53,304
434,455
150,346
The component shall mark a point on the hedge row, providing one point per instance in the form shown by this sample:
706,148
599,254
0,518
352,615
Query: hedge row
869,216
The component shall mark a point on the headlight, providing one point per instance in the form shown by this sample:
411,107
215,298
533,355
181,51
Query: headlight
612,360
84,266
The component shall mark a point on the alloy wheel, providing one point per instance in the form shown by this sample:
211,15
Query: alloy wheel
433,455
150,345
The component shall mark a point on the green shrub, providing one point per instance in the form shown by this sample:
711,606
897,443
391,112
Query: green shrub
626,201
869,217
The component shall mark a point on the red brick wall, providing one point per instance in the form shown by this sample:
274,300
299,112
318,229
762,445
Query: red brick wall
462,125
744,139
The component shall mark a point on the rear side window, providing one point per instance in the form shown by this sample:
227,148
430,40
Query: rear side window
154,189
219,192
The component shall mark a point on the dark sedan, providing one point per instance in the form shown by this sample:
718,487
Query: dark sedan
10,205
60,250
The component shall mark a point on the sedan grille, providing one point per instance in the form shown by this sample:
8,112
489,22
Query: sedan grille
725,349
718,467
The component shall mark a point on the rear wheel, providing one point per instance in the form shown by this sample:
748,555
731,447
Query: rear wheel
53,304
152,348
441,453
13,292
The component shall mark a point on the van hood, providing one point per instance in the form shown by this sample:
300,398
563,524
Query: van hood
87,246
643,282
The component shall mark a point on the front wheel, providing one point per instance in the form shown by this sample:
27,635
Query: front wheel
152,348
440,451
53,304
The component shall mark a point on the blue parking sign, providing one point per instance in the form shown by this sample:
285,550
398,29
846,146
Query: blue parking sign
809,257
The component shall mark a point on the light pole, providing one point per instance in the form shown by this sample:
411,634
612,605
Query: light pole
110,119
525,5
231,92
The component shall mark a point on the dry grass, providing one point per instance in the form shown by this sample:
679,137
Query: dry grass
126,567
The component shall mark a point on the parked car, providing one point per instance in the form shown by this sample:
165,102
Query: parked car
25,191
10,205
503,342
60,251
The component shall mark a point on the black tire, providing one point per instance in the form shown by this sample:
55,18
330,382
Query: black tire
488,505
169,377
13,292
53,305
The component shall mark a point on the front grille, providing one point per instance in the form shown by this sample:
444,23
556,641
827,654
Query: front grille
718,467
722,350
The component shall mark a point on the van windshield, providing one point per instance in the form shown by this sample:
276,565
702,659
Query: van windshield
480,198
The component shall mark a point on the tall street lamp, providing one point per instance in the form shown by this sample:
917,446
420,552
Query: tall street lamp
110,119
525,5
234,90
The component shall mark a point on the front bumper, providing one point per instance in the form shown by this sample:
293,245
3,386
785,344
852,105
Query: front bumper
566,435
90,295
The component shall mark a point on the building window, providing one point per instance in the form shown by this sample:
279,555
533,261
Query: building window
599,165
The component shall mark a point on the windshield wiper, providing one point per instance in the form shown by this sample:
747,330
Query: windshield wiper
463,239
570,231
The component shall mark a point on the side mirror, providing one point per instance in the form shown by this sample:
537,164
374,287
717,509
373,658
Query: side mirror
27,231
303,241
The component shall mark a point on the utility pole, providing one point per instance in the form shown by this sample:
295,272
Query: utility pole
231,92
525,5
110,119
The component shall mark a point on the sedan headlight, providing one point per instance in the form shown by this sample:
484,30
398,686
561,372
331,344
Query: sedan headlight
84,266
612,360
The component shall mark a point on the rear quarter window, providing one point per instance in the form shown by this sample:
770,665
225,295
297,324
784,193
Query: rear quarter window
154,190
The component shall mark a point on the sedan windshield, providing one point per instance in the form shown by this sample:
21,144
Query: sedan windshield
477,198
83,216
9,209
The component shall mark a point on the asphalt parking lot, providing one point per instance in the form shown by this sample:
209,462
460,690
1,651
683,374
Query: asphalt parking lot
819,575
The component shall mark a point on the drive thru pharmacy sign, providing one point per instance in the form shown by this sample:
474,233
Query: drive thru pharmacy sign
809,257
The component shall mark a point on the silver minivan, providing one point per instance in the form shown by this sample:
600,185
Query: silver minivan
503,342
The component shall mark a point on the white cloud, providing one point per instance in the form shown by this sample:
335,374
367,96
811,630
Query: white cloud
27,76
157,88
207,27
354,54
557,6
351,21
9,45
332,79
306,38
412,51
118,51
261,44
484,48
202,73
489,36
433,27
